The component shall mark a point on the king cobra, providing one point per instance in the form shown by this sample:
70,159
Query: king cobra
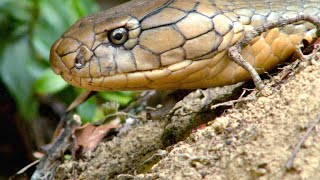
180,44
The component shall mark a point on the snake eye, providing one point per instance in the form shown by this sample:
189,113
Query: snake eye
118,36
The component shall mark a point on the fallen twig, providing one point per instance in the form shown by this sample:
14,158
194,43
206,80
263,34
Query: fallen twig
312,126
48,162
232,102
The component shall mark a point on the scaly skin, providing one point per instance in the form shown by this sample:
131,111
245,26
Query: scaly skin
177,44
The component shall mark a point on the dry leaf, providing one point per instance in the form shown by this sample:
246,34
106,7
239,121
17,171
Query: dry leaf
89,136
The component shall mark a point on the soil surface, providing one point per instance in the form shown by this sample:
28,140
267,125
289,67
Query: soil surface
256,140
252,140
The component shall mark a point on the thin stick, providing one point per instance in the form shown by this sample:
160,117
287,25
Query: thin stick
312,126
232,102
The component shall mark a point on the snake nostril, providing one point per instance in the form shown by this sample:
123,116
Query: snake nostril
79,63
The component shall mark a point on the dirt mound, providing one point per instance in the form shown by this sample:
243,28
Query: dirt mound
253,140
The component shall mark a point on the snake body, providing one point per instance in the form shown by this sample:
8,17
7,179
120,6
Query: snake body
177,44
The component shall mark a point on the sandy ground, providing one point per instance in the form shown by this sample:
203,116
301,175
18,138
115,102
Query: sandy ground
256,140
252,140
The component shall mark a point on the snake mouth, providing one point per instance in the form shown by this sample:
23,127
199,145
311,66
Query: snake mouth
53,63
55,60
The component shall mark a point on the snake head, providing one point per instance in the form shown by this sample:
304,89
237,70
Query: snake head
90,49
142,45
101,51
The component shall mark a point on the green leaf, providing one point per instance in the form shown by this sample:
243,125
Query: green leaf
4,3
18,77
84,8
87,110
54,18
14,18
122,97
28,30
19,9
49,83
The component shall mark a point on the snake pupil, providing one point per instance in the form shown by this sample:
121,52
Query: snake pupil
118,36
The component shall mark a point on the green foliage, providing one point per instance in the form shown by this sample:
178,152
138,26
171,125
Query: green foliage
87,111
122,98
28,29
18,73
49,83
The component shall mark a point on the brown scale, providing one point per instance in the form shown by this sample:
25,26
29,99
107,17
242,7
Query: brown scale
177,44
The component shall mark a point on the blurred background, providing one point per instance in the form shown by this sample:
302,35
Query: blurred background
32,97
